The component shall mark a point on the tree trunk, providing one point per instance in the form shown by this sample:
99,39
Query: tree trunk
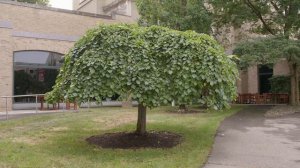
293,85
293,91
141,123
297,85
183,108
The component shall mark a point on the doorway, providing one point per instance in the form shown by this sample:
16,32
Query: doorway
265,72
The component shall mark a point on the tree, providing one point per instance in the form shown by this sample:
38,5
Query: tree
269,17
269,51
273,17
40,2
154,64
176,14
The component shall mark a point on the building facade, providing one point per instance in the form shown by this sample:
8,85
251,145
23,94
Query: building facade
255,79
34,38
124,10
32,41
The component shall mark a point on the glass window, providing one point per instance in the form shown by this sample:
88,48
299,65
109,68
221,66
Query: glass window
35,72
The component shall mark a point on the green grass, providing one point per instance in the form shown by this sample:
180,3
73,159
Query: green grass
58,140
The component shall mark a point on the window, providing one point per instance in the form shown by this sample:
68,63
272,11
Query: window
35,72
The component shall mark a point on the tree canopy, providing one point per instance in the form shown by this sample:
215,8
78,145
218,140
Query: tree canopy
271,17
276,17
175,14
154,64
40,2
267,51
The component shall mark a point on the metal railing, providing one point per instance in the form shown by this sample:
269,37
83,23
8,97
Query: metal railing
266,98
17,96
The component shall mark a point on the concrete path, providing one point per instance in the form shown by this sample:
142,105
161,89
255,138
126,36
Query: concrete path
248,140
24,113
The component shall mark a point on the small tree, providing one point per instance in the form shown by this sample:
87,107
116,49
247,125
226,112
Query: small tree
154,64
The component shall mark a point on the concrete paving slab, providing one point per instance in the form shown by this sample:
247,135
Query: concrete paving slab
24,113
249,140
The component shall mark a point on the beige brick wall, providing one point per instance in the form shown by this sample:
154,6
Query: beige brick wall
239,83
253,79
126,19
88,6
37,29
281,68
41,44
96,6
6,66
242,83
134,11
46,21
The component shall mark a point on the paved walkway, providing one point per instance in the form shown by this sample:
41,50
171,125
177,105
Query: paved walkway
248,140
24,113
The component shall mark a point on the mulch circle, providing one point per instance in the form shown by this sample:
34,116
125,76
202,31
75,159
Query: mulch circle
131,140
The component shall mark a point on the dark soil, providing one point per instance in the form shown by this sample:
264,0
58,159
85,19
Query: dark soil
131,140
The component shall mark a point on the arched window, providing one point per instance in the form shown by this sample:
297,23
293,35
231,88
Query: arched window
35,72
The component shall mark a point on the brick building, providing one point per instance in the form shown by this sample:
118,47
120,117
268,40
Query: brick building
255,79
124,10
34,38
32,41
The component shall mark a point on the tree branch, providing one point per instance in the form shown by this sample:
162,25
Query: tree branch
279,11
259,15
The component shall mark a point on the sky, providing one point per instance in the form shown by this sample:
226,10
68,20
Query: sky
64,4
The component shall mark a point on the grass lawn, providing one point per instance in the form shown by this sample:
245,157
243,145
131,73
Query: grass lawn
58,140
